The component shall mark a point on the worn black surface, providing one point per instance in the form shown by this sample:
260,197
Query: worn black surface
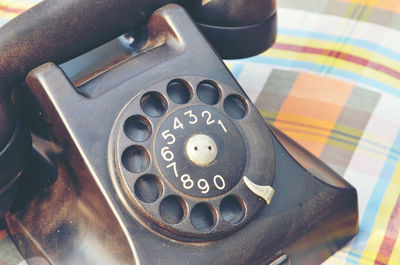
312,214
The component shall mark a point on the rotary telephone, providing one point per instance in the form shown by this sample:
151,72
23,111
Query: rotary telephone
131,143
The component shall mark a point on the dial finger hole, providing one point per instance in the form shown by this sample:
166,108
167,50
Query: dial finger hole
137,128
153,104
232,209
208,92
235,106
148,188
179,91
135,159
203,217
173,209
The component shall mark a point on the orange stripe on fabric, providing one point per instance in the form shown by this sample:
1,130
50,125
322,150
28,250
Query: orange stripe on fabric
389,5
392,233
314,101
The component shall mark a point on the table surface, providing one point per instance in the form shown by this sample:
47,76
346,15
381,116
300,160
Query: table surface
331,82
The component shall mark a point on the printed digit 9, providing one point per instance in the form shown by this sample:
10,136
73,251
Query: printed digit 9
203,186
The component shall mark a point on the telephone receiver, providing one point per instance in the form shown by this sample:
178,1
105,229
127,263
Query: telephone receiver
131,143
57,31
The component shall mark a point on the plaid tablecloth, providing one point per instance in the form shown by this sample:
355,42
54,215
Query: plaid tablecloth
332,82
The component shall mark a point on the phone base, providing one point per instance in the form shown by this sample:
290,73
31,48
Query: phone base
84,210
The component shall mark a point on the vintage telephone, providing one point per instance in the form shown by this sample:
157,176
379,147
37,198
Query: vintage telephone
145,150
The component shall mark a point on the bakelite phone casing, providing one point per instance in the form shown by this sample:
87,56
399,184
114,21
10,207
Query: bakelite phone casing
74,207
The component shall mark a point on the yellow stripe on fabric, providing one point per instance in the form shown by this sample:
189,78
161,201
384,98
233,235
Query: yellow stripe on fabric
18,4
339,131
395,257
372,140
229,65
360,9
368,11
342,145
303,135
349,135
379,157
352,10
389,5
345,137
363,9
378,231
7,15
317,125
346,48
310,135
350,131
305,131
369,144
356,13
341,64
317,130
353,136
270,115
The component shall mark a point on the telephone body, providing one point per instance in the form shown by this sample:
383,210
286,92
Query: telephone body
153,154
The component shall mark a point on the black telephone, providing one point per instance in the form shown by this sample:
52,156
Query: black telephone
145,150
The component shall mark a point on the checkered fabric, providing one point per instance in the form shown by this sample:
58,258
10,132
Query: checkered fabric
331,82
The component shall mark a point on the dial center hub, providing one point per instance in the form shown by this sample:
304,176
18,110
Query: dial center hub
201,149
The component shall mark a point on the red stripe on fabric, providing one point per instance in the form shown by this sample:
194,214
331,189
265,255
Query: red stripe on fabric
10,9
3,234
392,232
339,55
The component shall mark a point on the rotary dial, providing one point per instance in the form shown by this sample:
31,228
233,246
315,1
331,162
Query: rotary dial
193,157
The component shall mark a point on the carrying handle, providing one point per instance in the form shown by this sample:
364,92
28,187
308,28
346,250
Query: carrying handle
59,30
56,31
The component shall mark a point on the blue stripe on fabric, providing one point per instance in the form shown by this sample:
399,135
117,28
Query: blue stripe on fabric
336,72
374,203
376,144
3,21
328,37
237,70
357,138
365,147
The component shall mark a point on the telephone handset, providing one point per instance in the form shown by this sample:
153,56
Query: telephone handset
57,31
151,153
